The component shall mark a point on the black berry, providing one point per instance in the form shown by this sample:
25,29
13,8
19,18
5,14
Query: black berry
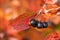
33,22
39,25
45,24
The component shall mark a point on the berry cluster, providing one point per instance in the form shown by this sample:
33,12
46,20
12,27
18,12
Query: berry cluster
38,24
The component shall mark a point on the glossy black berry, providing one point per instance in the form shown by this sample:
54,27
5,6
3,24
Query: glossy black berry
45,24
39,25
33,22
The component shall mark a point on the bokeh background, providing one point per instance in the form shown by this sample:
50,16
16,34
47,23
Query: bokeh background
15,15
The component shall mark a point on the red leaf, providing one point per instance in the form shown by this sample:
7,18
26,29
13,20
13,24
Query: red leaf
53,36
